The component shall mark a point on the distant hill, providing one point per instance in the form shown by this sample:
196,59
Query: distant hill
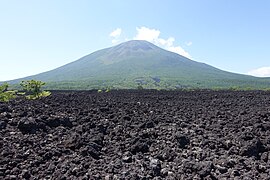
137,62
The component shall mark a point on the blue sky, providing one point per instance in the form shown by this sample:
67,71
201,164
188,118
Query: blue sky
36,36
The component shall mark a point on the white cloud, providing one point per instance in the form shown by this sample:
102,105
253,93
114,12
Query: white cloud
179,50
153,36
260,72
116,33
147,34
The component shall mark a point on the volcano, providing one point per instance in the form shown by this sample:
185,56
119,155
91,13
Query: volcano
139,62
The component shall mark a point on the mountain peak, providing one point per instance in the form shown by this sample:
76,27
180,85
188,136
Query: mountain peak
136,45
129,50
136,42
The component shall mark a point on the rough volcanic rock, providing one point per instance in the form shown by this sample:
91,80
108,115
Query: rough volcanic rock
129,134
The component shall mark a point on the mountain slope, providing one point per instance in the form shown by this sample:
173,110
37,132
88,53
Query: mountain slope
140,62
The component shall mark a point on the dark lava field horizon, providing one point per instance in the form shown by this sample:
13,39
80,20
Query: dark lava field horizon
137,134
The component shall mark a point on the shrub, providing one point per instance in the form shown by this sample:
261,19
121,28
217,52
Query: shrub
33,89
6,95
107,90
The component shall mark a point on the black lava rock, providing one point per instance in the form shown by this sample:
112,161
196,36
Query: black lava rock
182,140
27,125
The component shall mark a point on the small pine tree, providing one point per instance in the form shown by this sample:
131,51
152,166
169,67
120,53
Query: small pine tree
6,95
33,89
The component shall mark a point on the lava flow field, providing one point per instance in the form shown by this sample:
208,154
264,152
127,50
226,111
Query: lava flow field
129,134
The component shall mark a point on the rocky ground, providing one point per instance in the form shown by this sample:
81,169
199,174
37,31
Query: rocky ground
137,135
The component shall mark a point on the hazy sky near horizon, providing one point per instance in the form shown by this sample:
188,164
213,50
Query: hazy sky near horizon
37,36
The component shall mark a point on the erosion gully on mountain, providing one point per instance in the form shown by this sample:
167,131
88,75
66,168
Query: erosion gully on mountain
137,135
